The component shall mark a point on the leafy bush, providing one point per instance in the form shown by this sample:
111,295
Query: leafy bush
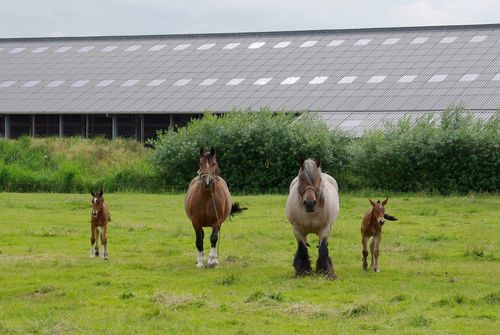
457,154
257,152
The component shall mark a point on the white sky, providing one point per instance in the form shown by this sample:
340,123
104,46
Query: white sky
33,18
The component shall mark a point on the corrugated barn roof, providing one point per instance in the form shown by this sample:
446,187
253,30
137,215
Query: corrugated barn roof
363,76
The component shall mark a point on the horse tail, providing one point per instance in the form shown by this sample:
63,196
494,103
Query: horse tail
235,209
390,217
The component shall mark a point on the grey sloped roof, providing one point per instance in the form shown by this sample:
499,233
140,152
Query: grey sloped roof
364,70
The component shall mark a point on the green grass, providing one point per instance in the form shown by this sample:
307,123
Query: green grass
440,268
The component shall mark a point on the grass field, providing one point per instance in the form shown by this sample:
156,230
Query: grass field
440,269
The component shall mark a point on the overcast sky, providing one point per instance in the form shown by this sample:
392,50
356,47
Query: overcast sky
33,18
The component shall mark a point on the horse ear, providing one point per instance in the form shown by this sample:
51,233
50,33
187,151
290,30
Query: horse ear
92,193
100,193
212,151
318,162
202,151
385,201
301,161
372,202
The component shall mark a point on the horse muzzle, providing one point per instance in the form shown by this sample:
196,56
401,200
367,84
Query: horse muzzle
94,214
310,205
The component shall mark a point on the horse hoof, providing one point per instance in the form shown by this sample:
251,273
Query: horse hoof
212,263
106,258
376,270
97,253
199,265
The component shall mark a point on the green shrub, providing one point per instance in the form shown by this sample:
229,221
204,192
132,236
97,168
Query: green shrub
257,152
459,154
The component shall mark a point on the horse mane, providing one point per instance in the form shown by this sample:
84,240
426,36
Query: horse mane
309,175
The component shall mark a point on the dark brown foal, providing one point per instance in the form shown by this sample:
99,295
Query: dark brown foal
100,218
371,226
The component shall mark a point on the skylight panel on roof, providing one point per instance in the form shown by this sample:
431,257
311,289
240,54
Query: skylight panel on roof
469,77
262,81
256,45
86,49
363,41
308,44
230,46
182,82
181,47
419,40
350,123
31,83
290,81
104,83
391,41
8,83
39,50
109,48
448,39
235,81
206,46
157,47
496,77
16,50
79,83
156,82
376,79
407,79
318,80
208,82
133,48
347,80
62,49
282,45
130,82
335,43
437,78
55,83
477,39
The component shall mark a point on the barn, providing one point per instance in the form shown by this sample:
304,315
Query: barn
355,79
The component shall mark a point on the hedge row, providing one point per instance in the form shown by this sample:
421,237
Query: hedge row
259,153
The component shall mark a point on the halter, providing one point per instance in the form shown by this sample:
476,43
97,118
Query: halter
311,188
212,177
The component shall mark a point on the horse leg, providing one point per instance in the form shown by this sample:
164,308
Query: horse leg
324,263
371,251
301,262
376,239
96,230
92,241
212,257
199,245
104,242
364,241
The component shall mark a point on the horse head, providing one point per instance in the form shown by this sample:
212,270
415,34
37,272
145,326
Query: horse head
378,210
310,183
208,168
97,203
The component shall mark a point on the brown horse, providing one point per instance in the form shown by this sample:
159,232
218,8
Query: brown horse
371,226
99,218
208,204
312,207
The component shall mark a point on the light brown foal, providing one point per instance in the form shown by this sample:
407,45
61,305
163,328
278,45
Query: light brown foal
100,218
371,226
